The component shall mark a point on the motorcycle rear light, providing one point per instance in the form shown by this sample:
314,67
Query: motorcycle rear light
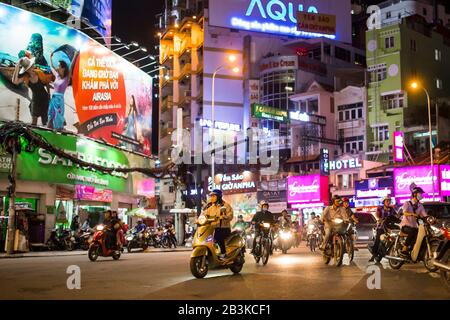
446,233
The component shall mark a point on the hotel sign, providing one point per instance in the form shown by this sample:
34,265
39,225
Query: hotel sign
265,112
345,164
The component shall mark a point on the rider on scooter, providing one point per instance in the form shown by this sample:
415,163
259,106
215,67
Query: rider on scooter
223,229
260,217
329,214
412,210
382,213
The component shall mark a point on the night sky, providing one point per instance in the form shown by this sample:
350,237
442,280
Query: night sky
134,20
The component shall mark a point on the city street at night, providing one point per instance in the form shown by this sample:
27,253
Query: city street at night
165,276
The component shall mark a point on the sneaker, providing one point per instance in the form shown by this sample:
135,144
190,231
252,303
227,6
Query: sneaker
222,256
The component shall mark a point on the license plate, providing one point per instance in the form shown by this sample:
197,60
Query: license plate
363,238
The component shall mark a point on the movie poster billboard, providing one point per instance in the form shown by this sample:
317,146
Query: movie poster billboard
64,80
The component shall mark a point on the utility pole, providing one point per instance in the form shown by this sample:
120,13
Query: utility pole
12,200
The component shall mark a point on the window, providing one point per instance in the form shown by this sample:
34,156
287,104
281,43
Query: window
360,59
341,116
360,113
353,114
354,144
388,15
342,54
439,84
378,73
339,181
438,55
345,181
350,112
413,45
382,133
347,115
393,101
425,12
171,189
389,42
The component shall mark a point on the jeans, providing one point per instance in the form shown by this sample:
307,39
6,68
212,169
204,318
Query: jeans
412,235
220,235
376,243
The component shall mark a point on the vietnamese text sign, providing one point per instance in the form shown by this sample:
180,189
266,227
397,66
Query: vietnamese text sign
445,180
90,193
420,175
265,112
317,23
307,189
244,182
272,196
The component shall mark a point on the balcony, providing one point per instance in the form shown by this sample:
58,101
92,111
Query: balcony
185,45
166,78
166,104
185,71
351,124
166,53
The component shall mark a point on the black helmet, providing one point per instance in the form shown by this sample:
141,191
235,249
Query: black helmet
336,197
415,189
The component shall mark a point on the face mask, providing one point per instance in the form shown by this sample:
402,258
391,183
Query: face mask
419,196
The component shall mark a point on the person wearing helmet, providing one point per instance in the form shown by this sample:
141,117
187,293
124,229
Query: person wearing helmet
214,210
263,216
240,223
383,212
285,220
329,214
140,226
412,210
348,211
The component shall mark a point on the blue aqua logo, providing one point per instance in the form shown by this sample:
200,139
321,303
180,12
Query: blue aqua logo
277,10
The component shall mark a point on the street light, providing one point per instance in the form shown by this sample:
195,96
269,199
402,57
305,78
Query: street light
414,86
134,51
231,59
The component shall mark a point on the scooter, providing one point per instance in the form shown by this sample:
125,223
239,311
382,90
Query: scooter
98,246
285,239
424,248
442,261
205,254
335,247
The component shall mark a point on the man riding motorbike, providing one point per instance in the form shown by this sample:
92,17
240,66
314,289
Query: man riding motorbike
351,217
329,214
412,210
223,228
285,220
140,226
261,217
240,223
383,212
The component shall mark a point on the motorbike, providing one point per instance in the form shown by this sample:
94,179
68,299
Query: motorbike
168,238
98,246
264,243
152,238
284,240
205,253
137,239
314,237
60,240
82,239
442,260
423,250
390,231
349,245
335,247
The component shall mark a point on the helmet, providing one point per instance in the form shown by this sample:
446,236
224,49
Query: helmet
336,197
345,200
387,198
262,203
417,190
140,221
217,192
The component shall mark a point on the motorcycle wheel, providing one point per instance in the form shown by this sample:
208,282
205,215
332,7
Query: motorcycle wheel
116,255
93,253
394,252
312,244
238,265
165,243
85,246
129,247
350,248
145,246
196,267
70,246
428,261
445,275
338,251
326,258
265,253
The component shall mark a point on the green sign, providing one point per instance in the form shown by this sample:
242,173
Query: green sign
41,165
265,112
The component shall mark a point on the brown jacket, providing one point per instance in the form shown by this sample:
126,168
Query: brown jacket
214,211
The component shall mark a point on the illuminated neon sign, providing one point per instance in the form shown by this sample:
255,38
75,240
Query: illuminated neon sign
281,18
220,125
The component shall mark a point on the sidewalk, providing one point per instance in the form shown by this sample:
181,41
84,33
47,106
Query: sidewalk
47,254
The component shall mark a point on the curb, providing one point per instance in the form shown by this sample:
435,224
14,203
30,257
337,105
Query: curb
81,253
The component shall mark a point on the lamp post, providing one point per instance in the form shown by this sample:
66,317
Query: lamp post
416,85
231,59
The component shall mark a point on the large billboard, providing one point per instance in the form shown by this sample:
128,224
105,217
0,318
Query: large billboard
422,176
308,189
67,81
280,16
97,12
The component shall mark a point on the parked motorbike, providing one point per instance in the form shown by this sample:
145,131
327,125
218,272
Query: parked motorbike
60,240
264,243
205,254
82,239
168,239
137,239
424,248
335,247
442,261
98,246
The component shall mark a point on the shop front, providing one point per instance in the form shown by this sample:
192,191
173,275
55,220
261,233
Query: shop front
308,194
371,192
60,189
239,190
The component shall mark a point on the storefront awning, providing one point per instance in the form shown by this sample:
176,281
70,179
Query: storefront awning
142,213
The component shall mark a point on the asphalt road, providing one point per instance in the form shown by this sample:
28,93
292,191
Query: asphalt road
297,275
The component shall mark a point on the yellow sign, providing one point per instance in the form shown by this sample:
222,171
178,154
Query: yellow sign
316,23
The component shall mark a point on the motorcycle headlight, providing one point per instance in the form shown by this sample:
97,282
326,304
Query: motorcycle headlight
202,220
285,235
130,238
249,237
100,227
338,220
266,225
